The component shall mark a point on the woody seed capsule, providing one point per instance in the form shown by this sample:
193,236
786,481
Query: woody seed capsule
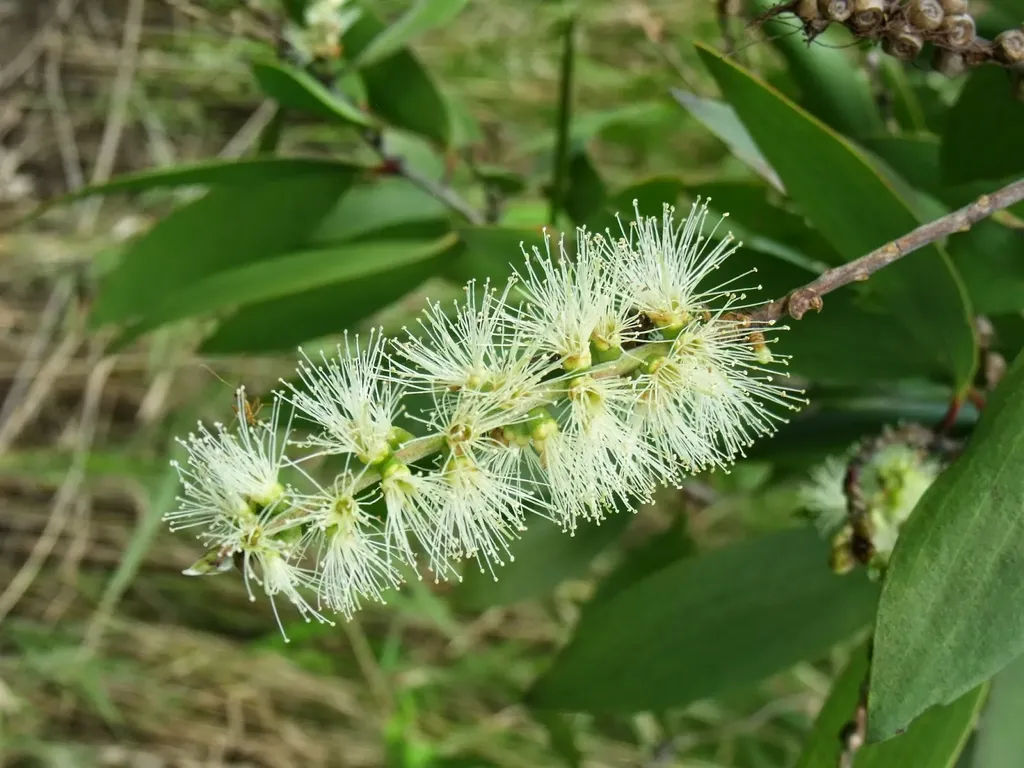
835,10
902,42
868,15
1009,46
959,30
925,14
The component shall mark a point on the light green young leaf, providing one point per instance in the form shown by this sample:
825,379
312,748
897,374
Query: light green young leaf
721,119
294,89
227,228
422,17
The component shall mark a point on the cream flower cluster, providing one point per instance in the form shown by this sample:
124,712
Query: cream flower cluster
576,389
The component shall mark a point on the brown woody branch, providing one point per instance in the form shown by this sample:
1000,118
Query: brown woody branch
799,301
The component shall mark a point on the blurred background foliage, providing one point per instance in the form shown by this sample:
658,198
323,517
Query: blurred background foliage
707,629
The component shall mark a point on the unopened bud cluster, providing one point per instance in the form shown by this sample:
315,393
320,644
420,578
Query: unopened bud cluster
860,501
576,389
904,26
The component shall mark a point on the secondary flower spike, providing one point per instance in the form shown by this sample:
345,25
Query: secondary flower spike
595,375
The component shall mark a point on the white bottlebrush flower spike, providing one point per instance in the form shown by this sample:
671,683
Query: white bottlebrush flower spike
575,390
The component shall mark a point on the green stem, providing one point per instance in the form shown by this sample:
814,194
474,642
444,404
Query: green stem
564,119
421,447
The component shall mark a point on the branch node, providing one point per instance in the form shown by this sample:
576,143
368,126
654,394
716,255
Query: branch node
801,301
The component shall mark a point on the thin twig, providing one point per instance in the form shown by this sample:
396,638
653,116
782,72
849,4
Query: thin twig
397,166
799,301
444,193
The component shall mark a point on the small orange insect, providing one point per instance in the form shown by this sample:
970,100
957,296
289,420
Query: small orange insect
250,410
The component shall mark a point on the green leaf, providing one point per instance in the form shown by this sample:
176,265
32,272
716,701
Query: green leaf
1000,741
285,275
417,105
857,211
824,744
749,206
278,324
832,86
935,741
240,173
650,195
990,259
722,120
707,625
952,608
545,556
227,228
660,551
380,209
983,130
422,17
294,89
906,107
562,737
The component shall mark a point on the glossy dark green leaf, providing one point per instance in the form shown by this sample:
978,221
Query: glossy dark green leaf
229,227
982,135
379,209
916,158
934,741
952,609
721,119
857,211
241,173
545,557
398,89
492,252
585,192
707,625
833,86
990,259
1000,741
750,206
422,17
294,89
284,275
280,324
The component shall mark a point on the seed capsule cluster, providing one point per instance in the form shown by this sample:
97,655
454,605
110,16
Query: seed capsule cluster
903,27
